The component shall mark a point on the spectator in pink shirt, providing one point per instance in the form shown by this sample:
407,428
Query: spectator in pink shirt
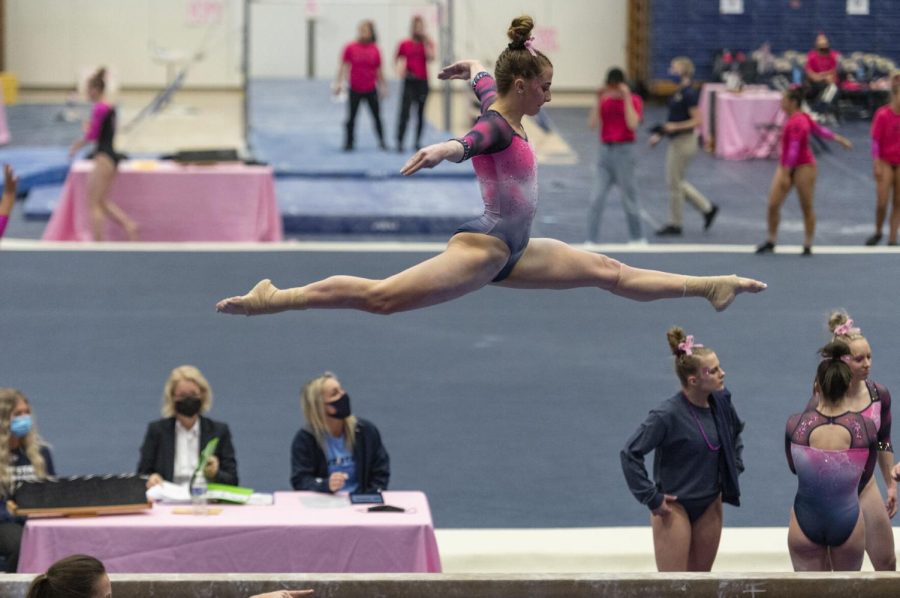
797,168
101,130
413,56
361,60
617,113
821,74
886,160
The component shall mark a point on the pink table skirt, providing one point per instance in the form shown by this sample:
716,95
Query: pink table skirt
303,532
172,202
743,121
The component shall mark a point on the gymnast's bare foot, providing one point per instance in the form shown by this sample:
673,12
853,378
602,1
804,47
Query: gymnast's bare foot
720,291
260,300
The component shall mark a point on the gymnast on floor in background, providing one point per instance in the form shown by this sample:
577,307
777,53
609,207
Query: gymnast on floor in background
102,129
886,164
832,451
873,401
797,168
10,185
494,248
696,440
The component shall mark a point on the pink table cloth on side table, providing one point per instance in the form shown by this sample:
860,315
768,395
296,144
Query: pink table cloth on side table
747,124
303,532
174,202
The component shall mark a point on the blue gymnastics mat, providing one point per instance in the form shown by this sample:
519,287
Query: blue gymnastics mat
295,126
348,205
36,166
41,201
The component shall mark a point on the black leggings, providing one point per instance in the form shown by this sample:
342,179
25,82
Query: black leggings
10,539
414,91
372,99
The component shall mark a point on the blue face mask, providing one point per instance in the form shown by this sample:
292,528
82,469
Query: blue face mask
20,426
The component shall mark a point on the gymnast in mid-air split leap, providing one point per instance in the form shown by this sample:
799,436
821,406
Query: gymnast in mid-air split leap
496,247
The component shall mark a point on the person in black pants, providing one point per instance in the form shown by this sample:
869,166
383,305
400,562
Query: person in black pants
413,56
172,445
23,457
361,60
336,451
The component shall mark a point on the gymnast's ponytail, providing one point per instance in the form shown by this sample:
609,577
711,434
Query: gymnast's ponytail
833,374
75,576
98,80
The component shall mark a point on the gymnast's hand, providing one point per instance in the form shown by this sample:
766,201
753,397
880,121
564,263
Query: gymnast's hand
891,503
284,594
432,155
664,509
462,69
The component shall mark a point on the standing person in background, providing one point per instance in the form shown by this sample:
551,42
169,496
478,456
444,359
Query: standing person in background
24,456
886,164
618,113
361,67
413,56
697,449
797,168
102,129
681,129
336,451
10,184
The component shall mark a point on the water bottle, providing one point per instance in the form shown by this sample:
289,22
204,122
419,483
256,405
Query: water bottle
198,493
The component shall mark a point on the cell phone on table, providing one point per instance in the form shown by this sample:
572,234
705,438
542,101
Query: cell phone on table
366,498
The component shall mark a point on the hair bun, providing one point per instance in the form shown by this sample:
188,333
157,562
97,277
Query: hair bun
837,318
675,335
520,30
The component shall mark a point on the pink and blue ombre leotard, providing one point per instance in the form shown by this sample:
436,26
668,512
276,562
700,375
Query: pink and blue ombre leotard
829,481
506,168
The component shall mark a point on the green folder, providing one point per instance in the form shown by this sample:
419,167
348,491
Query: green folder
226,493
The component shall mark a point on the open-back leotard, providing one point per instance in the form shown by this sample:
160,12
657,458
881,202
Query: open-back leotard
829,481
506,168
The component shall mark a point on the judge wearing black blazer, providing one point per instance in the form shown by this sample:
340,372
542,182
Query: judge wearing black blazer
172,445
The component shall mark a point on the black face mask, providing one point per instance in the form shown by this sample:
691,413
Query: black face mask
824,50
341,407
188,406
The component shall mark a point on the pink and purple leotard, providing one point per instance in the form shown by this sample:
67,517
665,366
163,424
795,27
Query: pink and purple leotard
506,168
829,481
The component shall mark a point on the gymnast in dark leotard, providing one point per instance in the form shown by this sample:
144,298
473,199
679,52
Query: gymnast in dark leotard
495,248
695,437
872,400
832,451
101,130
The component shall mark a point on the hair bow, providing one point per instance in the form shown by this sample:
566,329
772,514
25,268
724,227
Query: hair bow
687,345
529,45
845,328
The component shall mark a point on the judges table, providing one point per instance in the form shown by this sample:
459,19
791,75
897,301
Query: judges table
302,532
743,125
175,202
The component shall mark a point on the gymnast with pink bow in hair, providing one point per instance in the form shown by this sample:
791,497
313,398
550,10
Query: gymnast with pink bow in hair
696,440
496,247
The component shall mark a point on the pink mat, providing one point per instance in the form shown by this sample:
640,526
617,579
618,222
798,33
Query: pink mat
172,202
302,532
743,127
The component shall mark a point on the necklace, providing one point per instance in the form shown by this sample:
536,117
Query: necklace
693,410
